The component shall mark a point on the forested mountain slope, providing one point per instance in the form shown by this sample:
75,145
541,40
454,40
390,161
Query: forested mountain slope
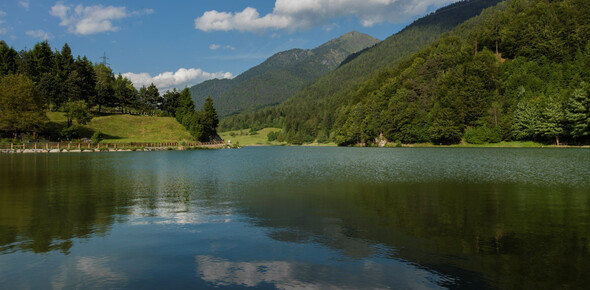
519,71
310,113
534,87
280,76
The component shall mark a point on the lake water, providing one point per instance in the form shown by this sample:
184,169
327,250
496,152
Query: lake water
297,217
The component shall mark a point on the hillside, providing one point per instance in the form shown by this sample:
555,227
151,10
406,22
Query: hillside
280,76
519,71
315,106
121,128
527,79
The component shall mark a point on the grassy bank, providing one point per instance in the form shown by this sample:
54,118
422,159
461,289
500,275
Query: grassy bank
128,128
245,138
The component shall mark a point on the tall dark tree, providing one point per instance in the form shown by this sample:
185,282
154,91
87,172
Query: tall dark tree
42,60
209,120
169,102
105,79
87,77
8,58
125,93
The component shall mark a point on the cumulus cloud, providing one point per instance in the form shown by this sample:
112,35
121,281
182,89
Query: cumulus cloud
179,79
85,20
293,15
40,34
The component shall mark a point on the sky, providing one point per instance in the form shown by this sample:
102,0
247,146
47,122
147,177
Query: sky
175,44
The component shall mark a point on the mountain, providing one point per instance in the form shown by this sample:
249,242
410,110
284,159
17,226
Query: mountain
316,105
518,71
280,76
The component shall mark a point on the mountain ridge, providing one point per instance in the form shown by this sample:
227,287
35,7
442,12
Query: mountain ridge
279,76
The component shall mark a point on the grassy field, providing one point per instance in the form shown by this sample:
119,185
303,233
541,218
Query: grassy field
245,139
128,128
259,139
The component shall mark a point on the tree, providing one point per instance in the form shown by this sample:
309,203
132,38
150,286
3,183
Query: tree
125,92
42,60
209,119
51,90
577,115
8,58
551,122
87,79
148,98
169,102
21,106
444,129
526,120
105,94
77,110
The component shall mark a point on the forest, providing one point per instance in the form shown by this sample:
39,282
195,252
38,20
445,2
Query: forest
518,71
33,82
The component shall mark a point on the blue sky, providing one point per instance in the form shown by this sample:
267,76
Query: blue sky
182,43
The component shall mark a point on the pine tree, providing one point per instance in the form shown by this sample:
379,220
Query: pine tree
8,57
577,115
526,120
551,122
210,120
105,94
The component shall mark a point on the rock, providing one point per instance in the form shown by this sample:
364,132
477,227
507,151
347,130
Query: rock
54,151
87,150
76,150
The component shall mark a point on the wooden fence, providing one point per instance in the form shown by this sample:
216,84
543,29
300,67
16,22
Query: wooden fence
106,146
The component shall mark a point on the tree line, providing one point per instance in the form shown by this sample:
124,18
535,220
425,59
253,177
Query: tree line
40,79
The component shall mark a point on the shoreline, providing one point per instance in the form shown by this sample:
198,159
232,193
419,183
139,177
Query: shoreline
107,150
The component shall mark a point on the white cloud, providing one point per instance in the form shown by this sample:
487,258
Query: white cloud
85,20
24,4
214,46
40,34
2,14
293,15
179,79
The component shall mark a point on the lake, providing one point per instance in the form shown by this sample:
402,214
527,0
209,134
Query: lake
297,217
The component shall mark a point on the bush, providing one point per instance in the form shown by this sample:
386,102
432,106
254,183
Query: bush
69,133
97,137
274,136
482,134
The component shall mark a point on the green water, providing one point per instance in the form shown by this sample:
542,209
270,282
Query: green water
297,217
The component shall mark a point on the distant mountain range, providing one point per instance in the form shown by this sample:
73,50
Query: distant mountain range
280,76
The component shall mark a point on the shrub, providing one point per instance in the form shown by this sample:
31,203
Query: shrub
97,137
482,134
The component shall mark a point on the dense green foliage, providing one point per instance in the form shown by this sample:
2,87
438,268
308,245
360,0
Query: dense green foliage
310,114
21,107
280,76
39,80
528,81
202,124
